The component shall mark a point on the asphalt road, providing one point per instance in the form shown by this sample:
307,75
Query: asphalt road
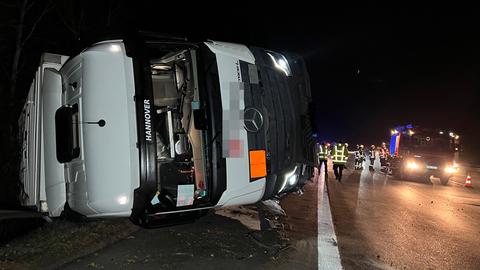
385,223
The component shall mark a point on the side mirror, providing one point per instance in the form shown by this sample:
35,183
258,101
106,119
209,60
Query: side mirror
200,119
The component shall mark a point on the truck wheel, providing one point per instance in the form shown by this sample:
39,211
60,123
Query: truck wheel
427,179
396,173
444,180
403,175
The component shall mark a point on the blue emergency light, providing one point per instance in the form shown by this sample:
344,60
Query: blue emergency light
393,141
395,138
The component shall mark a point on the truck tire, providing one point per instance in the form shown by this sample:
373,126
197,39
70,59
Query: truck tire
444,180
396,173
427,179
403,175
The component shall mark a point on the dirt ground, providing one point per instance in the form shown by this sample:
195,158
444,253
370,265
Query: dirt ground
226,238
59,242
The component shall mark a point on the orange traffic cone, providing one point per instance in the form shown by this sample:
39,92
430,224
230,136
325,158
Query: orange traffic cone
468,181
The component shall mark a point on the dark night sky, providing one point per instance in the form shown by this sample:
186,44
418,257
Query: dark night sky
371,68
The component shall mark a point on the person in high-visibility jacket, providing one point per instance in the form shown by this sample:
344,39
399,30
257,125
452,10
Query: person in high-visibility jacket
322,155
359,157
384,155
339,158
372,155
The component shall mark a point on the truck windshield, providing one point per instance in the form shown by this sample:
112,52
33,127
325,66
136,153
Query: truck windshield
180,147
431,144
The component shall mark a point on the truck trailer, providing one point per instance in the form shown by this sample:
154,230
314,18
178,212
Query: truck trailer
163,129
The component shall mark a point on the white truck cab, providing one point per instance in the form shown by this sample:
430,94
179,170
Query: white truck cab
162,130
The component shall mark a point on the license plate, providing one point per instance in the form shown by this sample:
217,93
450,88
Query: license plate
432,167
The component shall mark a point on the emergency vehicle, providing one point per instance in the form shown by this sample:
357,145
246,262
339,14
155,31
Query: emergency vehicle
419,153
162,129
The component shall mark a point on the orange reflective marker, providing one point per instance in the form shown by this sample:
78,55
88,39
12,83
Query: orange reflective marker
258,164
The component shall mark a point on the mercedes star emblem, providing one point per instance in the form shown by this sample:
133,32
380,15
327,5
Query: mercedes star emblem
253,120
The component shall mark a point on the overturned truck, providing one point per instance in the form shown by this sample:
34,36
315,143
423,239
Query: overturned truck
162,130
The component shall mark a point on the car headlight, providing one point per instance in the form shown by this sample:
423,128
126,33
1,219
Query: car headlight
412,165
451,169
281,63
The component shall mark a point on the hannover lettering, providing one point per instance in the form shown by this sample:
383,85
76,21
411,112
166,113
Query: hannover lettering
148,121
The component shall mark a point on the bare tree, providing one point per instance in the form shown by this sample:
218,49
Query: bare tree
71,14
22,20
17,53
23,34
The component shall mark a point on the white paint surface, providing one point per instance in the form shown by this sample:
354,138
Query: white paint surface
328,254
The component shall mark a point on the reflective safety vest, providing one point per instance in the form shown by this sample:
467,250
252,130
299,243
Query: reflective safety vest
384,153
340,154
323,153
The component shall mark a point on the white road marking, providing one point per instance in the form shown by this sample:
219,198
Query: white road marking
328,254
